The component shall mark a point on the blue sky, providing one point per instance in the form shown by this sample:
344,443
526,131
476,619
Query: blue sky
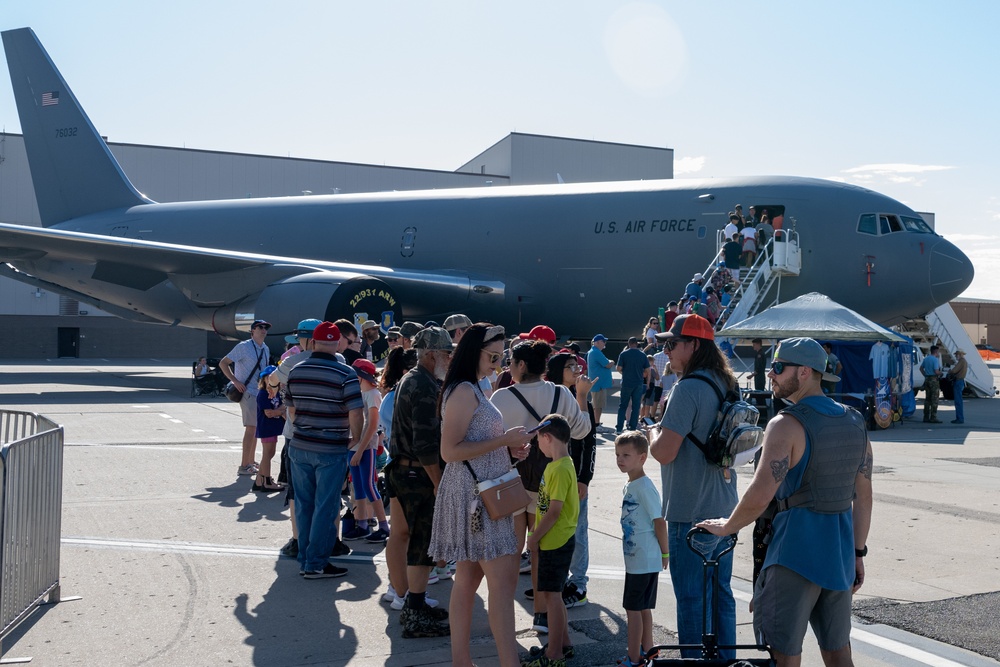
899,96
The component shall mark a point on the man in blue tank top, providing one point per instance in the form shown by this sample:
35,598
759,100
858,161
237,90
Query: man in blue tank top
814,479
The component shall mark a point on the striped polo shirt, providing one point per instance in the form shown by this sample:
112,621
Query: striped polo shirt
323,391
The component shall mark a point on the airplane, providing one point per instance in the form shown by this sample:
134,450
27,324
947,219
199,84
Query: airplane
581,258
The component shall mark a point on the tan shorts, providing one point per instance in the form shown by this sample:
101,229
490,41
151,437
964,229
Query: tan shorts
248,408
532,504
785,603
599,399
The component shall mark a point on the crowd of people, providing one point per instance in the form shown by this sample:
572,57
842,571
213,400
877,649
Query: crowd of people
461,403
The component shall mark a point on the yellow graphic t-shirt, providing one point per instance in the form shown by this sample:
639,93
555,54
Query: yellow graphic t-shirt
558,483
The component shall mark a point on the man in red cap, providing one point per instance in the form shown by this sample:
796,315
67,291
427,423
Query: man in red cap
695,489
326,409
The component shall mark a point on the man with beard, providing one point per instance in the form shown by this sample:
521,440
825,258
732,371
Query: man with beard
814,479
415,472
695,489
369,336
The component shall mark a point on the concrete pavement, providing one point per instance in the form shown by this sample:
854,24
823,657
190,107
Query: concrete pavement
176,558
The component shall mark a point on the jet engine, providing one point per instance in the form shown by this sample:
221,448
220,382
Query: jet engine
324,295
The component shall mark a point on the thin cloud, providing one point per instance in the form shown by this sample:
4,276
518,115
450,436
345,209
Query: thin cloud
689,165
971,237
898,173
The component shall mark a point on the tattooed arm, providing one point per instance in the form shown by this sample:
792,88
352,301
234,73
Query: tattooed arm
784,444
862,511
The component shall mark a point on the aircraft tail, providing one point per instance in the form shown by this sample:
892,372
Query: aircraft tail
73,171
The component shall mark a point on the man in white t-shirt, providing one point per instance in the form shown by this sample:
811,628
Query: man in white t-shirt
241,367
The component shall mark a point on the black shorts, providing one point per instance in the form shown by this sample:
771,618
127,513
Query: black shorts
414,491
652,395
553,566
640,591
285,474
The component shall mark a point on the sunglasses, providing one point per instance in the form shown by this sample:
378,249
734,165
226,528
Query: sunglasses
671,343
274,386
494,356
573,367
778,367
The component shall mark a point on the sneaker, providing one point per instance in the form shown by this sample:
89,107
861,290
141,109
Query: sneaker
530,593
399,602
525,567
340,549
543,661
389,595
328,572
446,572
537,651
573,596
422,623
291,548
625,661
957,421
377,537
540,624
357,533
248,469
433,578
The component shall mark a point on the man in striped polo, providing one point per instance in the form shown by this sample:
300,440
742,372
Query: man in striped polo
327,414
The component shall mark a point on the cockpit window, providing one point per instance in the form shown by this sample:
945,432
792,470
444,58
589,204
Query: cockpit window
916,225
888,223
866,225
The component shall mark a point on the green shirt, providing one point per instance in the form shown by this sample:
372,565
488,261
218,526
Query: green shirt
558,483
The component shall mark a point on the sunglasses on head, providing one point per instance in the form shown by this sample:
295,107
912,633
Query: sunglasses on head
778,367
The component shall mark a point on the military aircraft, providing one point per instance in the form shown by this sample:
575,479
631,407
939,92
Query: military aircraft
582,258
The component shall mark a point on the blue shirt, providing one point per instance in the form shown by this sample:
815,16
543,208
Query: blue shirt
597,370
930,365
632,362
819,547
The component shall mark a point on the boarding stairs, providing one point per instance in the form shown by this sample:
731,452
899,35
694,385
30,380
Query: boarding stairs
942,327
778,258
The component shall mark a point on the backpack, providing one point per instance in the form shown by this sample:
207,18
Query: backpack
533,467
735,436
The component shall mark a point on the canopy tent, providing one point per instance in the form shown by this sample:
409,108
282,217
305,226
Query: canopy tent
873,357
813,315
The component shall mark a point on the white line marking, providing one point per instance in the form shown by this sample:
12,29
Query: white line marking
165,416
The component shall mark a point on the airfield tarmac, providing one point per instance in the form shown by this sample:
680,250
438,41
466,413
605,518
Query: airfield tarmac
176,559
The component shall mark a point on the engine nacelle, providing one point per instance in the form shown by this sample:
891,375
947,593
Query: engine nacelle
324,295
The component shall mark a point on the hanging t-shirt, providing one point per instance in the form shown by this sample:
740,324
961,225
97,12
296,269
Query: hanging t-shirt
879,356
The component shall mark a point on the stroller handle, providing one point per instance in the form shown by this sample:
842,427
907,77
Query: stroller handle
695,531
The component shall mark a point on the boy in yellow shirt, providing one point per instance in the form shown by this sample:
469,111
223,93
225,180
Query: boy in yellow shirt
553,538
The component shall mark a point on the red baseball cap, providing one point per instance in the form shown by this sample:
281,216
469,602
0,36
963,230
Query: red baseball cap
327,331
540,332
365,369
689,326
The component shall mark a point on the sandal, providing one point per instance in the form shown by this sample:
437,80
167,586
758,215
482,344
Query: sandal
268,486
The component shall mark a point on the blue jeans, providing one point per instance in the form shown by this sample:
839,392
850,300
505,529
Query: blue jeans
318,479
631,395
688,576
959,401
581,553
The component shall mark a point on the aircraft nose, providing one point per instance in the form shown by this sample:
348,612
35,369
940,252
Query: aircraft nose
950,272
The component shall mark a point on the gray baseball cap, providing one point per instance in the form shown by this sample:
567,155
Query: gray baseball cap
457,321
805,352
410,329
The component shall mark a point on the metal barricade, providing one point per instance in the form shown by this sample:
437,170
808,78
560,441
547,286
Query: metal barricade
31,471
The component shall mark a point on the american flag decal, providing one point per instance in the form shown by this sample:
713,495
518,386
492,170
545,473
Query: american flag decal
50,99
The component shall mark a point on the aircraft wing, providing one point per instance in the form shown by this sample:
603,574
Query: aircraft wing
207,276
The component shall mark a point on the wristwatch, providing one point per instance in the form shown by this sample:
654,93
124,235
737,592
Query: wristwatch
861,553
